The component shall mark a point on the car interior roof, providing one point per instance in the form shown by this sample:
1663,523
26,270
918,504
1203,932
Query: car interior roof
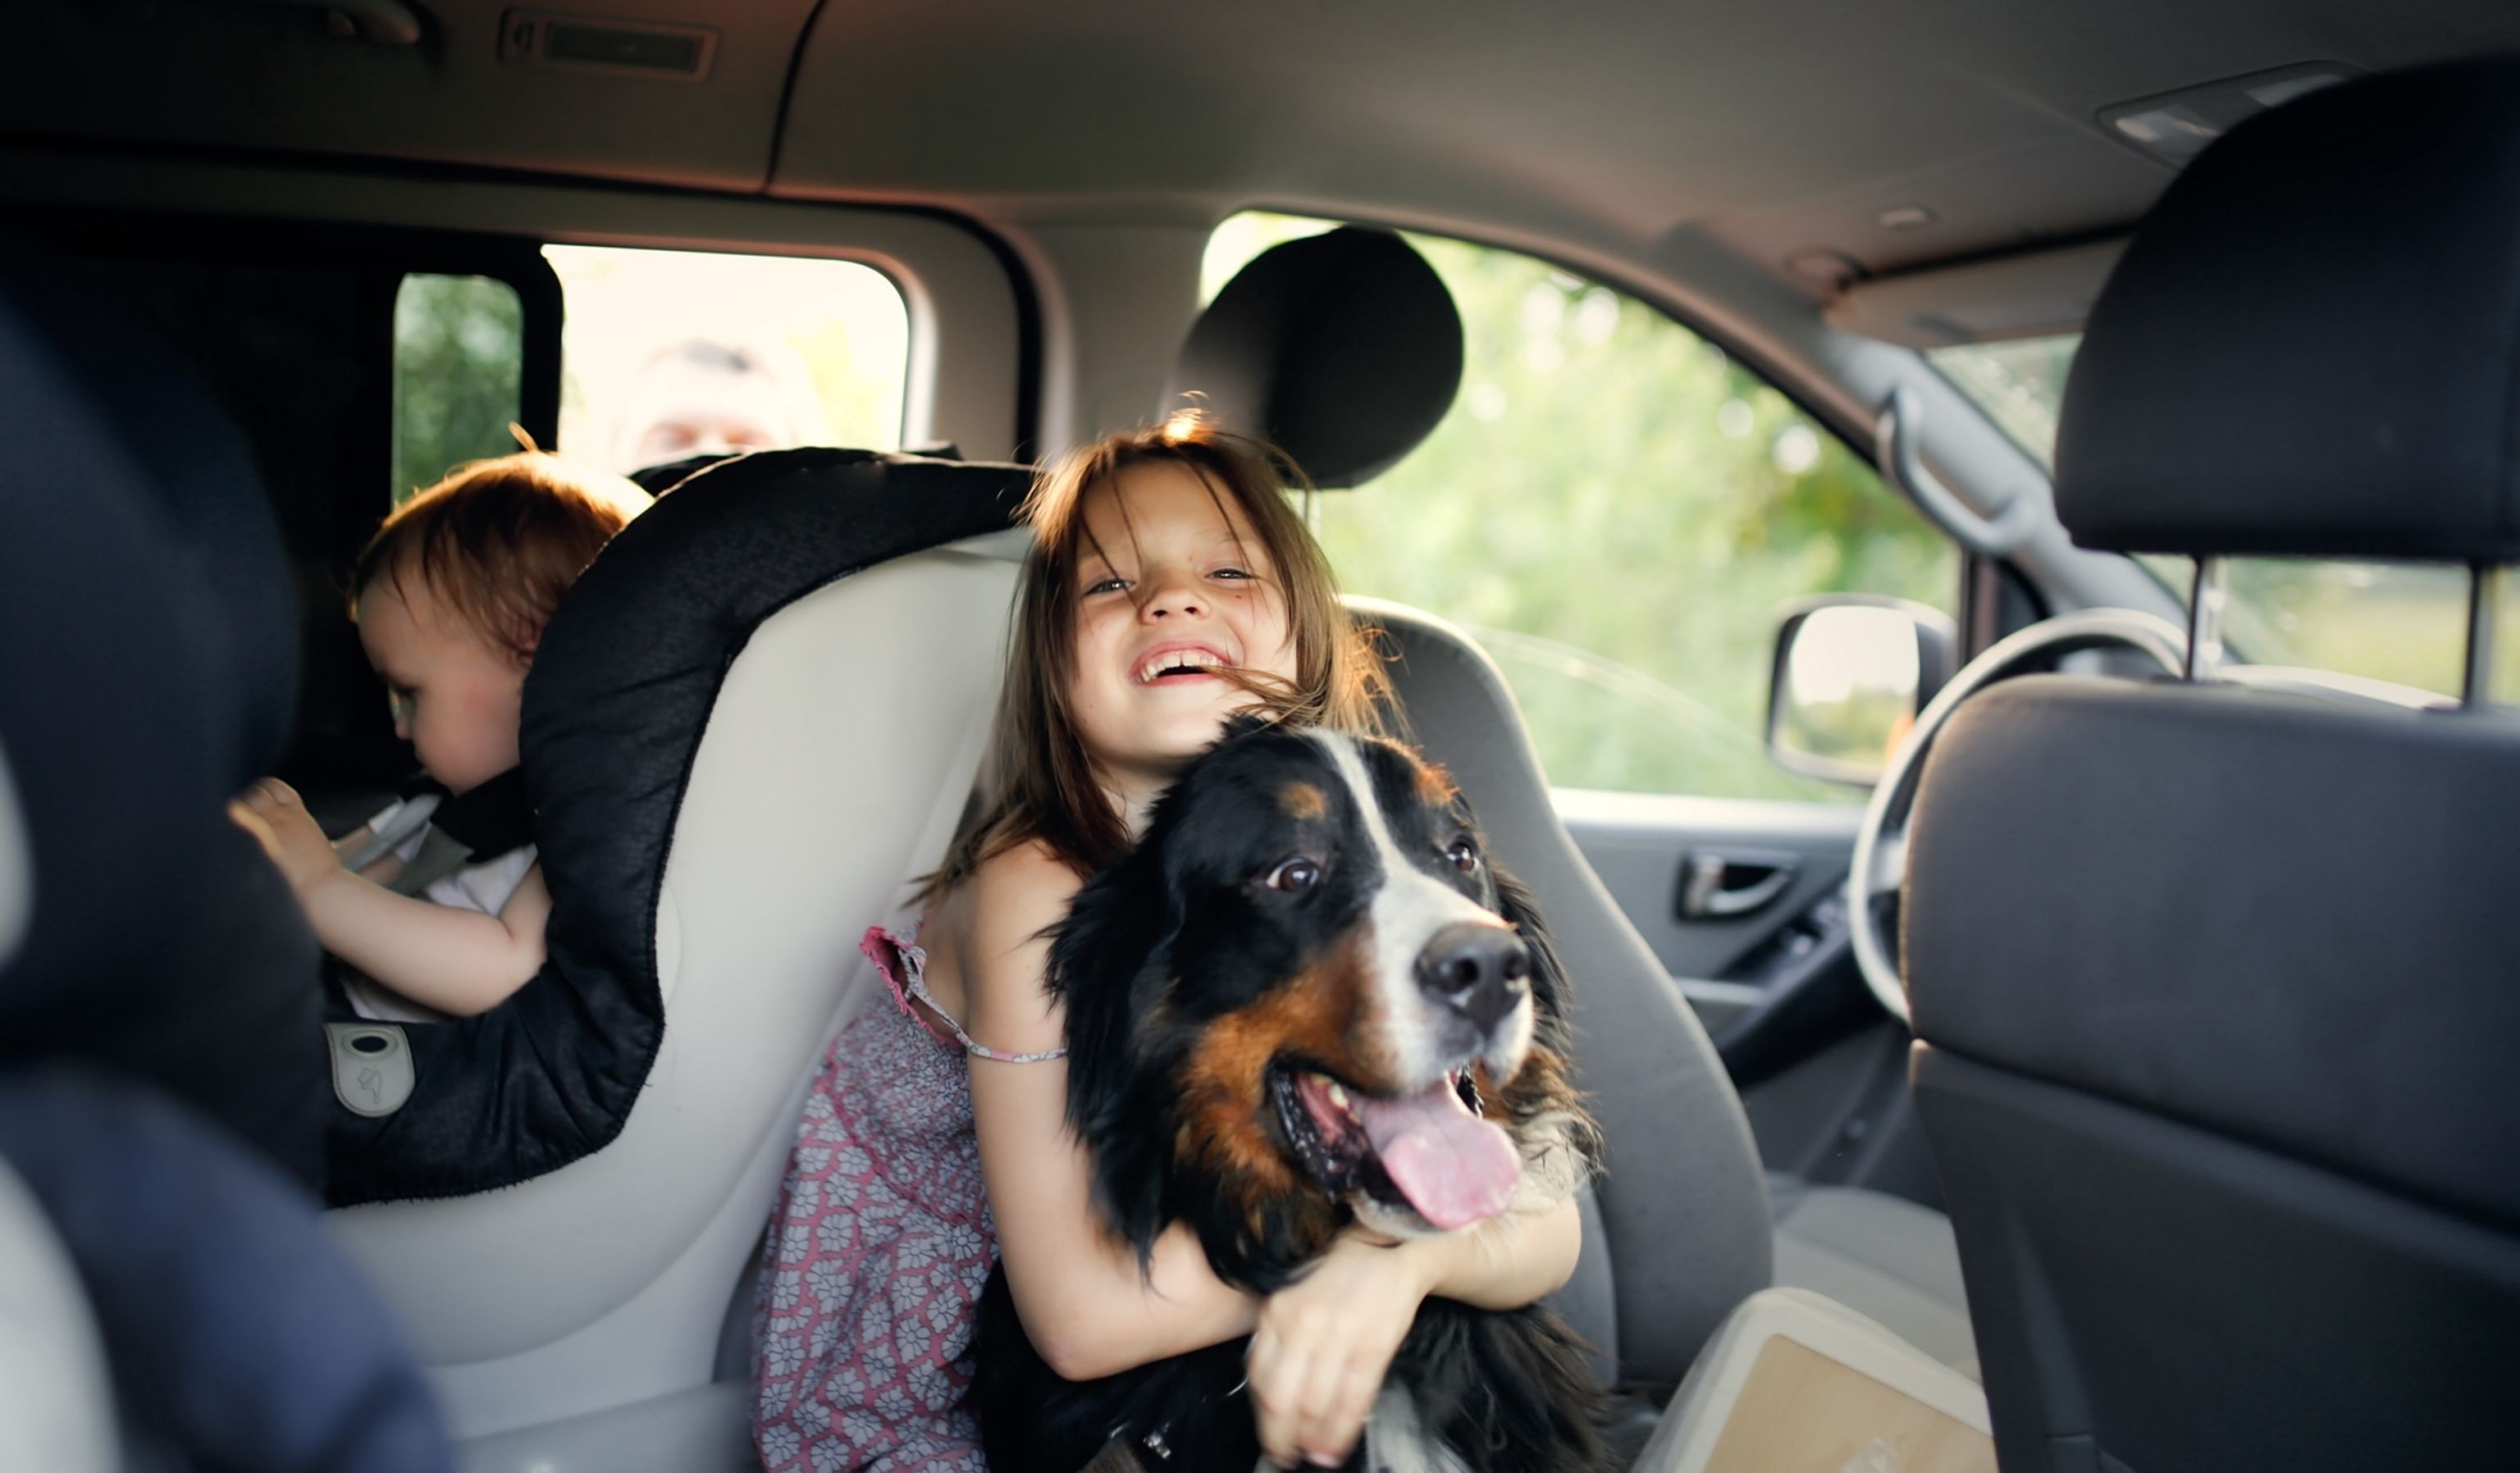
1625,130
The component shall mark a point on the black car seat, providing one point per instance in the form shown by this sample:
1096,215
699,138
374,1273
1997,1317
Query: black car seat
161,1068
2213,985
1345,349
753,718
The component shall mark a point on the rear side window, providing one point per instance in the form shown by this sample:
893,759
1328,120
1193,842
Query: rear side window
667,354
1618,510
458,373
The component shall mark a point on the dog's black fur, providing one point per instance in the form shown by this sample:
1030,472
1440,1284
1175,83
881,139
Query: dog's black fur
1191,983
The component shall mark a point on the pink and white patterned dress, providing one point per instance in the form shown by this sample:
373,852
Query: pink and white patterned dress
879,1244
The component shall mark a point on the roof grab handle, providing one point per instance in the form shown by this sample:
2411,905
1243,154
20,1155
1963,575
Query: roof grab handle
385,23
1896,447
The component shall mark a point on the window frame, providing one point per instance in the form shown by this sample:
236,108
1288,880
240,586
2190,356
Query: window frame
976,371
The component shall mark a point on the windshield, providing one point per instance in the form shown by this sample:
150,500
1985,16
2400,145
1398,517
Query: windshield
2392,621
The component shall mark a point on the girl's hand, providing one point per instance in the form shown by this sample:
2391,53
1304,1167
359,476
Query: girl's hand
273,813
1323,1343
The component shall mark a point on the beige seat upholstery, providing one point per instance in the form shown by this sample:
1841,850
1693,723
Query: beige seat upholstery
575,1319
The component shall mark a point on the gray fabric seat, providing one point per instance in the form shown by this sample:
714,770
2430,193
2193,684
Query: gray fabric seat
1684,1229
1884,1257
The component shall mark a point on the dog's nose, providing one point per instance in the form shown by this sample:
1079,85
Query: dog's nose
1476,970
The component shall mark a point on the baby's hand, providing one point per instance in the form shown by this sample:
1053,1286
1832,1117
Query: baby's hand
1323,1342
273,813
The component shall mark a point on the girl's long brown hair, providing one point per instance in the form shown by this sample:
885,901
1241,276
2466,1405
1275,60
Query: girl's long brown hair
1044,785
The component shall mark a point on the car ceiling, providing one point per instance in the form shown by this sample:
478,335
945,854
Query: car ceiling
1623,130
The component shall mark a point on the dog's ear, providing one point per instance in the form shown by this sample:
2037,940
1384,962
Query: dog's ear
1243,724
1109,963
1545,1089
1547,978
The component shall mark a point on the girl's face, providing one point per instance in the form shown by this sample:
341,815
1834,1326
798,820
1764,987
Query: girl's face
456,699
1171,582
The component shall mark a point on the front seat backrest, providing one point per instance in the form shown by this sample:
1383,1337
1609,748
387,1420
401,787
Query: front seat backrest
781,738
1684,1233
2213,986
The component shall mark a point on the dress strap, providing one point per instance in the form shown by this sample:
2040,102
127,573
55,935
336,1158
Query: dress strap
912,983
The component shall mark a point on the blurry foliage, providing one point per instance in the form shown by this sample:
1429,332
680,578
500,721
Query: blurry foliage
1865,729
1618,510
459,369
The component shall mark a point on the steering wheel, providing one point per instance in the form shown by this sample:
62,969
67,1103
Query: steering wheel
1881,841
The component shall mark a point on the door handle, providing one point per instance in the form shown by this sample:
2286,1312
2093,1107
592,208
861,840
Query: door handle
1717,886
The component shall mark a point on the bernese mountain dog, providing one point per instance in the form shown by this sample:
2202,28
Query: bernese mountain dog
1305,999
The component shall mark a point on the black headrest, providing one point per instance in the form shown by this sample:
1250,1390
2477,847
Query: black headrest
2310,347
615,709
1343,348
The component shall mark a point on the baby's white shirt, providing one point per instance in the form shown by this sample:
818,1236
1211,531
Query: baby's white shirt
484,887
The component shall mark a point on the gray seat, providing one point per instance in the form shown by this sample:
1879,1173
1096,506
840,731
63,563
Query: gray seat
2211,984
1685,1228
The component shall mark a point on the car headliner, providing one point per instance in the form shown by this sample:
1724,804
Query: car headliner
1624,130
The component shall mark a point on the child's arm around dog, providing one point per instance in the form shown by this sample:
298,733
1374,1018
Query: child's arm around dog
1319,1347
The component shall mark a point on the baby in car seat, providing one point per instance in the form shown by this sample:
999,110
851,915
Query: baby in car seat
438,908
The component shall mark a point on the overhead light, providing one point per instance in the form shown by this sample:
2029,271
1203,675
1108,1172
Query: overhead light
1905,217
2175,126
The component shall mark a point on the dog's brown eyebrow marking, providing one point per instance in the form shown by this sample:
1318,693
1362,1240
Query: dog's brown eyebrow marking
1302,800
1435,785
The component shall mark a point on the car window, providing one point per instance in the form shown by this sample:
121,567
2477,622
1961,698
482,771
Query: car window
673,354
665,354
458,373
1617,511
2392,621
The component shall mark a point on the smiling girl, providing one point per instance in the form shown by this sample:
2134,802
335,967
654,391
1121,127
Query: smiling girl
1170,586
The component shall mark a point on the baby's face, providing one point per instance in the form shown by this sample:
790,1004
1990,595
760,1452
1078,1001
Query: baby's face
455,698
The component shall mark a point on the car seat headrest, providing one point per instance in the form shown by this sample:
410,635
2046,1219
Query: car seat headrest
2308,348
1344,349
619,696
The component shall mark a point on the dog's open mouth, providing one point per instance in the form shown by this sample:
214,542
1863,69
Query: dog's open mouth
1430,1152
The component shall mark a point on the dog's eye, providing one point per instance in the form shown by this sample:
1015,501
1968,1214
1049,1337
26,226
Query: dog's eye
1465,856
1295,876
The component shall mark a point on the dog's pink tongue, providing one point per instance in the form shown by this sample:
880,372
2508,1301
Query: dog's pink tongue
1452,1165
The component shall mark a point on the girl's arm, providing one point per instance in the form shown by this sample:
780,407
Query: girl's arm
1323,1342
1085,1304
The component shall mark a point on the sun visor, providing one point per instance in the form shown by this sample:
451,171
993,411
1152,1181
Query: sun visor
2033,296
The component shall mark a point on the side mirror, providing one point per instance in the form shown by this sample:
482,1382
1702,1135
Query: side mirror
1851,673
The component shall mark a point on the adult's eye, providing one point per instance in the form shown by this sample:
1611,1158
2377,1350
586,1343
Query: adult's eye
1295,876
1463,855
